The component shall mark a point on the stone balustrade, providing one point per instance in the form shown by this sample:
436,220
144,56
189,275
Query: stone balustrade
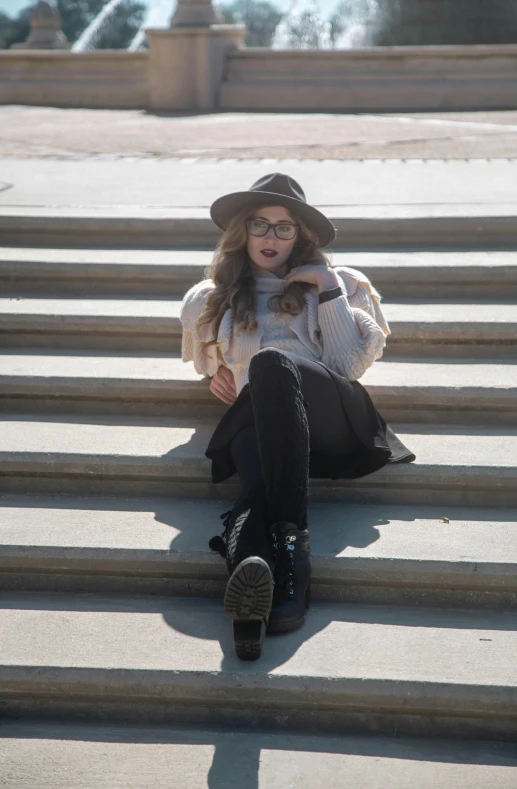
192,69
372,79
100,78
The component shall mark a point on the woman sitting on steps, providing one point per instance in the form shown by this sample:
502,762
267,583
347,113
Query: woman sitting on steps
284,338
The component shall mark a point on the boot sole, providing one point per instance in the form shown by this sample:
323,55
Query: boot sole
248,638
247,601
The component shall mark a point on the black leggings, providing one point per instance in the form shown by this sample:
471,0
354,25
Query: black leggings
297,409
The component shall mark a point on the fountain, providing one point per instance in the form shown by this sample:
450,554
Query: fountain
356,21
88,37
302,27
157,16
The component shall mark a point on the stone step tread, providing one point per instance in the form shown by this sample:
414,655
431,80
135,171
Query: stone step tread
456,374
154,182
444,653
130,367
411,311
79,755
144,529
451,261
106,308
147,214
173,440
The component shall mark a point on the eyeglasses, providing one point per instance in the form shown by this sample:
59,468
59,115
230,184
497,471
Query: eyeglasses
285,231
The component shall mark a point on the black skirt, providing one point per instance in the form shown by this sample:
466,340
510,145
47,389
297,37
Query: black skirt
377,444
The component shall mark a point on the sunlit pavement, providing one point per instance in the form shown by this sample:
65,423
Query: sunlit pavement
64,133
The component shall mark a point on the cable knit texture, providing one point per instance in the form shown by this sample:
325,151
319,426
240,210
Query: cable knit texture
347,333
283,434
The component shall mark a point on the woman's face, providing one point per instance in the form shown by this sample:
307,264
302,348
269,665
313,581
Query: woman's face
269,252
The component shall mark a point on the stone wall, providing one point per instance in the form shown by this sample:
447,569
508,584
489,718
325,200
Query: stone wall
377,79
99,79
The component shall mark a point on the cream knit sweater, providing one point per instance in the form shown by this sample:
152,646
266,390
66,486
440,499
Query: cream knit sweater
347,333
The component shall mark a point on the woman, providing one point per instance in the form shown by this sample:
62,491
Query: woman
284,338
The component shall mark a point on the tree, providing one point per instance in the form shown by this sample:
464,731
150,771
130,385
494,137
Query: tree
259,16
426,22
14,30
76,15
122,26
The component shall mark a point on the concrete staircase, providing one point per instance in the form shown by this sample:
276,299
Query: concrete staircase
111,601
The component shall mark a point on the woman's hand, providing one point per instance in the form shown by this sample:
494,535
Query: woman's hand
222,385
322,276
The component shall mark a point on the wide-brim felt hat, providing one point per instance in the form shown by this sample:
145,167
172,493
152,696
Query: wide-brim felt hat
274,189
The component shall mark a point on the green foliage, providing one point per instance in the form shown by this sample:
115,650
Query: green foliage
14,30
427,22
76,15
259,16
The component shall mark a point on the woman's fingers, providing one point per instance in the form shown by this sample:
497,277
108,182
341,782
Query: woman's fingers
223,385
218,392
227,379
226,398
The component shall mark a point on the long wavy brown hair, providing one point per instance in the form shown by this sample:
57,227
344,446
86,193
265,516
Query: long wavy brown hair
234,281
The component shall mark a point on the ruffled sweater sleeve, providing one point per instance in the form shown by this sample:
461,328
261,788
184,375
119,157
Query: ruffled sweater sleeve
206,358
353,329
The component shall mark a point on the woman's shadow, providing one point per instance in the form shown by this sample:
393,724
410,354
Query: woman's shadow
194,522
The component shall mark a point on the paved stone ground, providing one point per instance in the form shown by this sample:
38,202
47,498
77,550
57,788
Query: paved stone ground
78,133
187,186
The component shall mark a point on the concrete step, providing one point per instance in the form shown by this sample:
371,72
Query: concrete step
368,227
351,667
149,455
67,755
136,324
117,272
418,327
458,391
397,554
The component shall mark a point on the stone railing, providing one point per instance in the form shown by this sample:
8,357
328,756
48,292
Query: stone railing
373,79
206,68
102,78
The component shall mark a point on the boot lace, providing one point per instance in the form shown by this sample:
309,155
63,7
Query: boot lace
285,577
218,543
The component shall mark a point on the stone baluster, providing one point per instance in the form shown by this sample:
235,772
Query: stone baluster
45,29
187,60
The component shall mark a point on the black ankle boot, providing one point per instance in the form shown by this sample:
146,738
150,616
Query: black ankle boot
249,592
292,575
247,602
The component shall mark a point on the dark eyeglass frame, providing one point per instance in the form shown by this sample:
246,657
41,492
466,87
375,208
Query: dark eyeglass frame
269,224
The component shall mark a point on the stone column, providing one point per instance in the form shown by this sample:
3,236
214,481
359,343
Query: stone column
187,61
186,65
195,13
45,33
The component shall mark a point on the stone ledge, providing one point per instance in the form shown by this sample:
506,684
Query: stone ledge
92,651
165,456
161,757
